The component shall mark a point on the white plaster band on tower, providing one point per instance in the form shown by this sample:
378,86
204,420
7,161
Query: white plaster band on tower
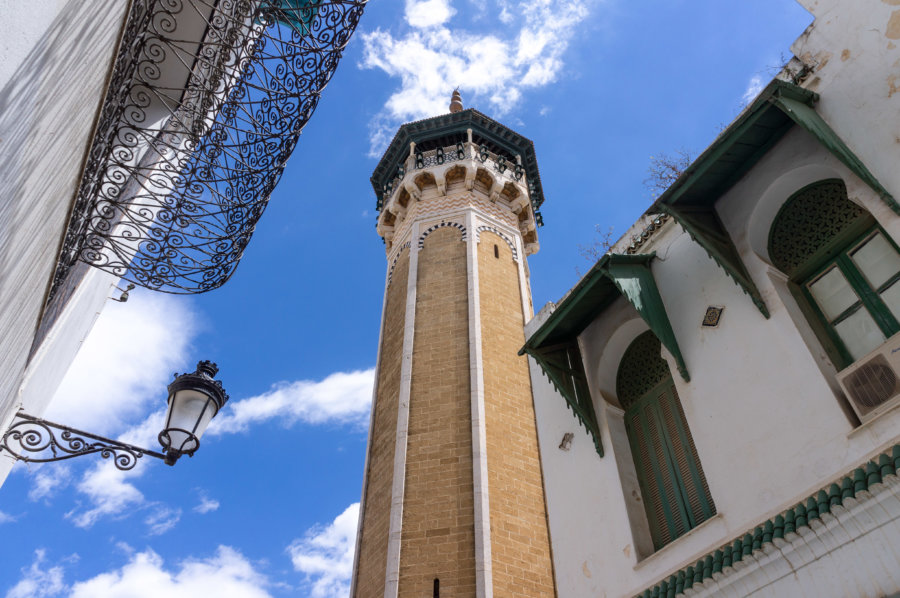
483,569
392,572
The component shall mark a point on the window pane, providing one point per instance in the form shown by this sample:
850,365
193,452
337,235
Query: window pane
859,333
891,298
833,293
877,260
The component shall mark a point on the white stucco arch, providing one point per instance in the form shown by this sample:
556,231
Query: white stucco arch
615,347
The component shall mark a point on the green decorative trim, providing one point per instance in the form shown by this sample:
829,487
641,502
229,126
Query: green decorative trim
554,345
563,366
805,115
691,198
635,281
706,229
790,521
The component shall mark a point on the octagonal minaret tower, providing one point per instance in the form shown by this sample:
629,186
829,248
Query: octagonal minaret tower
453,497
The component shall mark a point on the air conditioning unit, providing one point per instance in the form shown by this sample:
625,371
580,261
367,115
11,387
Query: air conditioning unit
872,384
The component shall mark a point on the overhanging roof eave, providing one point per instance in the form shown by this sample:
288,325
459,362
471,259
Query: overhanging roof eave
576,298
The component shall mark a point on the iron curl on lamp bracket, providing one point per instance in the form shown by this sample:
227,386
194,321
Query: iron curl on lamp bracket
36,440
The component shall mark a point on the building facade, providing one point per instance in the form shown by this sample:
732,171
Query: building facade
731,362
453,499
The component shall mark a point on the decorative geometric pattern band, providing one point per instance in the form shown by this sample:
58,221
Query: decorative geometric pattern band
433,228
205,104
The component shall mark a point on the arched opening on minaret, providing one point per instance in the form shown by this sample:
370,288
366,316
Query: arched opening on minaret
403,198
425,180
509,192
455,177
484,181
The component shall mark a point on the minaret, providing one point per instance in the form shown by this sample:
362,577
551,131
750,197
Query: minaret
453,497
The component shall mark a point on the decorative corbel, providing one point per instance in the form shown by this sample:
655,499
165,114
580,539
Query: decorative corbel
470,178
412,190
496,188
441,182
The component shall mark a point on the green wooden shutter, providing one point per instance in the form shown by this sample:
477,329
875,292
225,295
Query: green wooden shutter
649,476
698,501
676,496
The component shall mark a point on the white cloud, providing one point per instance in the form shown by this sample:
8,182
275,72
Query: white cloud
428,13
325,555
207,505
753,88
126,361
6,518
162,519
342,397
226,575
47,481
108,488
38,582
492,67
109,492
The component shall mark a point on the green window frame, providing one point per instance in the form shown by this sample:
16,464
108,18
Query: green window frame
673,486
869,296
814,240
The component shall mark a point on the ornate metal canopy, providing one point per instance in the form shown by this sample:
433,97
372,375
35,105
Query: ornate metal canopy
205,104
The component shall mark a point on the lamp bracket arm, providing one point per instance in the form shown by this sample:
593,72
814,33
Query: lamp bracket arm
35,440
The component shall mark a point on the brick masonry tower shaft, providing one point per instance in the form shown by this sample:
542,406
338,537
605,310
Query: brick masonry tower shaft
453,498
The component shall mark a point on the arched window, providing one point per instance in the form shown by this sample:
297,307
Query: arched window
674,490
843,268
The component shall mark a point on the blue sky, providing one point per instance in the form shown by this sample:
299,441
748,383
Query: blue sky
267,507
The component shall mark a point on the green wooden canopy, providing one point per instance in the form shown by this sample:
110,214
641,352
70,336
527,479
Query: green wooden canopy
554,345
691,199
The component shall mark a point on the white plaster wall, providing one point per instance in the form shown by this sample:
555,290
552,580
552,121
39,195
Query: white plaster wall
768,429
578,485
56,57
767,417
855,47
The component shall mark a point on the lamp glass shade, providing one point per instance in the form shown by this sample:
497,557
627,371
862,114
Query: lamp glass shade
190,412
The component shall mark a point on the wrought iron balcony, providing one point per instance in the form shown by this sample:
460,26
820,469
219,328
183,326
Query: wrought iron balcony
205,104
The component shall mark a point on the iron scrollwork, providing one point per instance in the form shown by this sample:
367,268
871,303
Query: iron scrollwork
35,440
206,102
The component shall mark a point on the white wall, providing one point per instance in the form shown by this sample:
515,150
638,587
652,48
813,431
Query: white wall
56,57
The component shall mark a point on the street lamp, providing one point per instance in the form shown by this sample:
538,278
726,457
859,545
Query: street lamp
194,399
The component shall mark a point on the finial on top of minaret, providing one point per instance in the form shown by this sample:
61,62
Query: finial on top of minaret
456,102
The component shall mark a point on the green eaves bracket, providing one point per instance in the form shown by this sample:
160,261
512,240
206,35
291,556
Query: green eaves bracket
632,276
555,347
806,116
562,364
706,229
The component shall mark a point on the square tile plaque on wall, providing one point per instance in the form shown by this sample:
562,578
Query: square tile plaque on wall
712,316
